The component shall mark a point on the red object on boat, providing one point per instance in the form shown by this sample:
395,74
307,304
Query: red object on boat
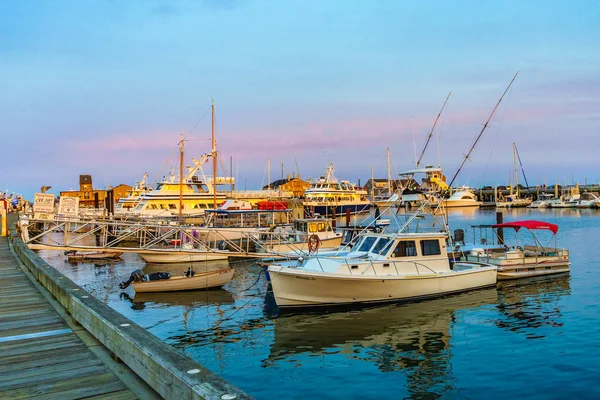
175,241
529,224
272,205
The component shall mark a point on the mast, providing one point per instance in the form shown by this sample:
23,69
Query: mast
269,173
482,130
431,132
372,183
389,174
181,176
214,156
516,171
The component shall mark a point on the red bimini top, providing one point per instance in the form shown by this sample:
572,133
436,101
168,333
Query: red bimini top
529,224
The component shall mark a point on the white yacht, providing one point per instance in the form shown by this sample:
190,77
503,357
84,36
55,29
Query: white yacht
194,194
327,196
543,201
463,197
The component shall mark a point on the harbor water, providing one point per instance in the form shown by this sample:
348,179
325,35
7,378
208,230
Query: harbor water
535,338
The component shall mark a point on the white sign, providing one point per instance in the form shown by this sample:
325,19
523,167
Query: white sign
43,203
43,216
68,206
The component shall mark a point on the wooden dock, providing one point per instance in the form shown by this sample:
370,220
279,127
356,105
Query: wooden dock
45,355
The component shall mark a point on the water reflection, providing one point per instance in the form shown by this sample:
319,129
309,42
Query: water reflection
528,305
413,338
194,298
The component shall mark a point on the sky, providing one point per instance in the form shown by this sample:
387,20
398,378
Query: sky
106,87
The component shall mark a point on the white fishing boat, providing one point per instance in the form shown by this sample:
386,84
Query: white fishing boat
380,268
306,235
463,197
197,281
522,261
430,189
326,196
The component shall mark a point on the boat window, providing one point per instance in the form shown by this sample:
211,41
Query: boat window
367,243
321,227
430,247
163,206
312,228
385,250
153,207
172,207
380,245
405,248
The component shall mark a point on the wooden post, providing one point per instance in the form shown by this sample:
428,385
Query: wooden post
3,221
347,217
499,220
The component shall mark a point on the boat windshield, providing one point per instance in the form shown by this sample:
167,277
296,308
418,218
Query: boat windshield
381,246
365,243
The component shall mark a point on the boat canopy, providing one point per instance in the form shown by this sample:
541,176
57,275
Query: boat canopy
420,171
529,224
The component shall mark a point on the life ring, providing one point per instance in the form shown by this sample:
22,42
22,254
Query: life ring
313,243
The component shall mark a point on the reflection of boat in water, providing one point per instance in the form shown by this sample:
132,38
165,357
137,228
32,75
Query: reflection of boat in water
207,297
413,337
529,304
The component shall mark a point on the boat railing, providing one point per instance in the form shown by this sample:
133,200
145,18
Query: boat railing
371,265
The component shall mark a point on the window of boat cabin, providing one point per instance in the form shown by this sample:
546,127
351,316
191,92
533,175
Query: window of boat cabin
163,206
381,245
367,243
405,248
430,247
172,207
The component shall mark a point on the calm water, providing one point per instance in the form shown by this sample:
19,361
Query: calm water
525,339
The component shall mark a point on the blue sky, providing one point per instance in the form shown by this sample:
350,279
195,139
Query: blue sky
106,87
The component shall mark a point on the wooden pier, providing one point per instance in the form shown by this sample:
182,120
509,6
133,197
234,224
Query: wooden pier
44,354
59,342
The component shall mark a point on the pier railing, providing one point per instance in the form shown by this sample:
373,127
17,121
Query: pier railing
168,371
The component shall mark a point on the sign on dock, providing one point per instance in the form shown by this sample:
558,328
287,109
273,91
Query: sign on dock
43,206
68,206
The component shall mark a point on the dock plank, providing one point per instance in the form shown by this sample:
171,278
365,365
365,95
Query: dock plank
54,363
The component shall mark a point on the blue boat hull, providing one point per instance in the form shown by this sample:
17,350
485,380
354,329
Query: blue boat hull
339,210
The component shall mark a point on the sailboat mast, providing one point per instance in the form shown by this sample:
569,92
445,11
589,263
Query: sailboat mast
482,130
214,156
516,171
181,176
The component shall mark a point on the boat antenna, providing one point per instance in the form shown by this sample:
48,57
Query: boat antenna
432,130
521,164
466,157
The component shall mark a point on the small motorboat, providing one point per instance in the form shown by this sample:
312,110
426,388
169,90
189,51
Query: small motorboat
190,280
74,256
